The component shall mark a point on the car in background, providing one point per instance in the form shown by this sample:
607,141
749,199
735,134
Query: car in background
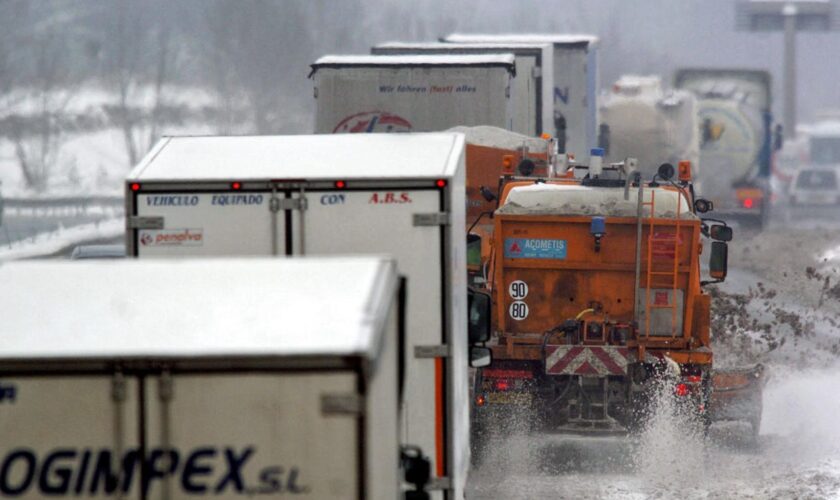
815,187
115,251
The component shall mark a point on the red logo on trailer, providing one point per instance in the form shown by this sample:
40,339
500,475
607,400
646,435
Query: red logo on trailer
372,121
389,199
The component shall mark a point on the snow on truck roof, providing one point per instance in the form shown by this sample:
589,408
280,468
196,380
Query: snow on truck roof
178,308
307,157
495,137
503,60
556,39
574,199
457,47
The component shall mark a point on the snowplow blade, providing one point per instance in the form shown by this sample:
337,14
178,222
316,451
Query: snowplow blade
737,395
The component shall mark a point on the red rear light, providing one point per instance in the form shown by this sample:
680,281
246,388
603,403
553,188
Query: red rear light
340,184
681,389
441,183
693,379
480,401
748,203
135,187
501,384
236,186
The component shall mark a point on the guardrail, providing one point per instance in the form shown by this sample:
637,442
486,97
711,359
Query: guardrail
63,206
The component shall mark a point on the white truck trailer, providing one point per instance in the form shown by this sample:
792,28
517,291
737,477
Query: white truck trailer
396,194
531,89
412,93
575,62
225,378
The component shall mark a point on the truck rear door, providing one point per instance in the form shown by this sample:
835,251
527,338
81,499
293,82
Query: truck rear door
387,221
197,223
69,436
237,435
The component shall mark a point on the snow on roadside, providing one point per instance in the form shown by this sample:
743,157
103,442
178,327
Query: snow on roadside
50,243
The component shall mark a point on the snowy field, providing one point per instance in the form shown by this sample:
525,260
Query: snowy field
790,323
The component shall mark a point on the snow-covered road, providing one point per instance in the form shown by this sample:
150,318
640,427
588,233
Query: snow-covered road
790,323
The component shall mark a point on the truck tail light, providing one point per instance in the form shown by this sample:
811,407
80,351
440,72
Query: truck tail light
748,203
681,389
135,187
501,384
236,186
441,183
340,184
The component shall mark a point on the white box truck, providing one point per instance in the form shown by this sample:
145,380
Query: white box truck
412,93
396,194
575,85
221,377
531,89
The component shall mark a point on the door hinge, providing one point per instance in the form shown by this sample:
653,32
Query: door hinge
145,222
118,390
439,483
432,219
278,204
431,351
342,404
165,386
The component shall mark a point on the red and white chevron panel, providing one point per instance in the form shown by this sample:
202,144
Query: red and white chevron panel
594,361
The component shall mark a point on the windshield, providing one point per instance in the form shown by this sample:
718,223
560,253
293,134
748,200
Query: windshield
825,150
817,179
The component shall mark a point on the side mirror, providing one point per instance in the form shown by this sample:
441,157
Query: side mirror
718,261
478,321
473,249
480,357
719,232
702,205
487,194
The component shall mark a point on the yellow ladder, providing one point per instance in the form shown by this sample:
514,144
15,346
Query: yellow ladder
673,272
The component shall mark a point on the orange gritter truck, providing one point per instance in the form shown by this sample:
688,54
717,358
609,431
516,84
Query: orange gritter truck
596,282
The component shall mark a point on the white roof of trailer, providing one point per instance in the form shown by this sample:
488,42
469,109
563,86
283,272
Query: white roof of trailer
307,157
495,137
180,308
557,39
417,60
455,47
575,199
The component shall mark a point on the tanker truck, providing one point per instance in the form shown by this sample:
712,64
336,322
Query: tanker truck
640,119
736,139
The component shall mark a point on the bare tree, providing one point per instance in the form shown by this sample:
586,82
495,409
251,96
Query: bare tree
37,137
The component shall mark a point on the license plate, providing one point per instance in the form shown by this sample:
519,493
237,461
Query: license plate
509,398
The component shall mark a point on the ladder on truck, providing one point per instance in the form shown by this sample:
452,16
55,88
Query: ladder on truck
672,245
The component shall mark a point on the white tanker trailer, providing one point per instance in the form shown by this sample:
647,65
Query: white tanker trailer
641,120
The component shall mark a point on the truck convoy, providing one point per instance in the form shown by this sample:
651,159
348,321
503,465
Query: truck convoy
396,194
575,63
145,386
640,119
413,93
531,90
737,139
598,291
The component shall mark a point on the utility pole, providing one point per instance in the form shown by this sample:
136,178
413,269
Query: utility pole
789,16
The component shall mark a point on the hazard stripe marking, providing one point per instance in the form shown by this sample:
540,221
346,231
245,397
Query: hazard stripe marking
587,360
